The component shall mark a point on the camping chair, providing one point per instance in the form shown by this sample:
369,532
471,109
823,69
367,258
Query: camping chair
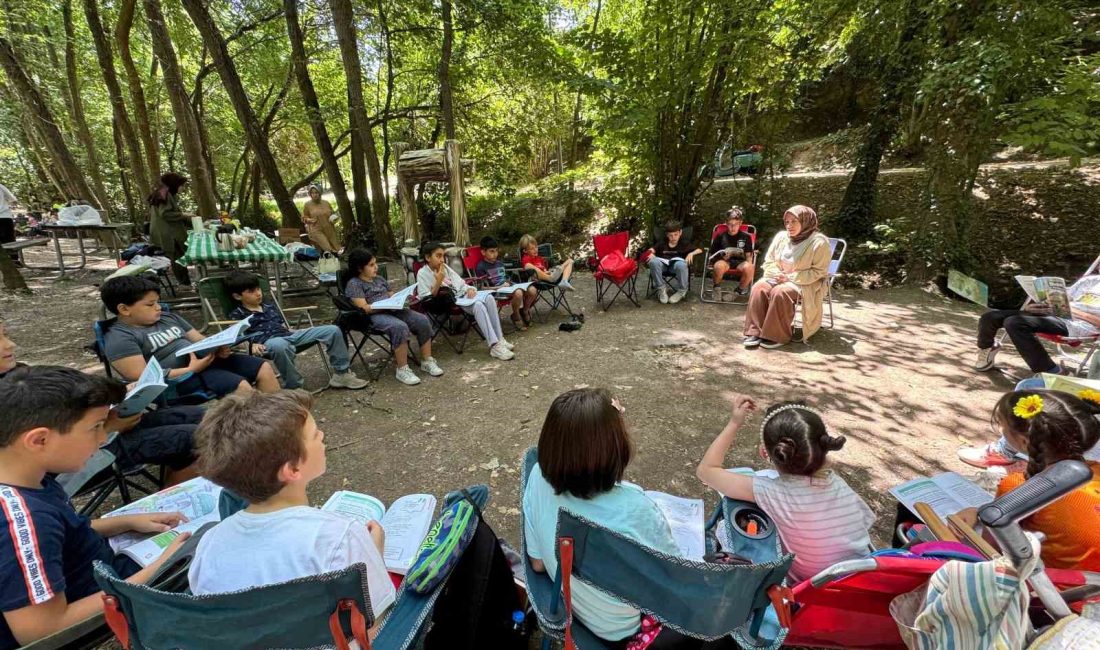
837,248
312,612
1075,352
471,257
450,324
659,235
551,295
217,303
707,289
699,599
103,475
624,284
350,319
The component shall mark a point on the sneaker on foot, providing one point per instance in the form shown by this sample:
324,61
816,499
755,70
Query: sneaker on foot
741,291
347,379
507,344
770,345
565,284
752,341
406,376
498,351
677,297
986,456
431,367
662,295
986,357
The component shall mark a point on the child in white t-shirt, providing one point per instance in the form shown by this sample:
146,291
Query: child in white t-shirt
819,518
266,447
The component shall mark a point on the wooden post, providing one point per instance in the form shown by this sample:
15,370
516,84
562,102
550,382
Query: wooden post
405,197
459,224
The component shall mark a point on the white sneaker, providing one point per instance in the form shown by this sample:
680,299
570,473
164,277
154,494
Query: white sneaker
677,297
662,295
564,284
431,367
406,376
347,379
986,358
500,352
507,344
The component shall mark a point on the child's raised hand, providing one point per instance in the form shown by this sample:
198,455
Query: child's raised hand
742,406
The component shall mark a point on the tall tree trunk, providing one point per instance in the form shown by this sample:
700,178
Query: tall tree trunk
227,70
316,120
344,21
137,93
446,102
134,205
856,218
343,18
44,123
76,107
106,59
186,125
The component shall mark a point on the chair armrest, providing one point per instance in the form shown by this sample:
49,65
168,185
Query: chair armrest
305,308
224,322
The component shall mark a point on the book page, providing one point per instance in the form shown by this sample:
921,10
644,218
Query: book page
946,493
146,551
406,523
197,499
397,301
507,291
1054,292
1027,283
1072,385
225,337
149,385
354,505
466,302
685,518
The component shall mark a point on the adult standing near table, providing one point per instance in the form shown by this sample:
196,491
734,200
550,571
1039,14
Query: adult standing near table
168,223
7,220
795,267
317,217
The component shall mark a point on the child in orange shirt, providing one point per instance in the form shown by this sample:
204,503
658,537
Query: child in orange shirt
1061,426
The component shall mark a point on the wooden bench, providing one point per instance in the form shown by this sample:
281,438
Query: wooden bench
23,244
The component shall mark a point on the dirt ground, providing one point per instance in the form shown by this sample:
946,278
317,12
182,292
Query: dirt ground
892,375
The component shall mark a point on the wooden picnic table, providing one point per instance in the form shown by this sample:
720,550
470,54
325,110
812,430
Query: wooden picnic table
56,231
19,245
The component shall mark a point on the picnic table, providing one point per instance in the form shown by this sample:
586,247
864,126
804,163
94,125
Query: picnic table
56,231
202,252
19,245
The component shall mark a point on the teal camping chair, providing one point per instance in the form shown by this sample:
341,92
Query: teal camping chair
312,612
699,599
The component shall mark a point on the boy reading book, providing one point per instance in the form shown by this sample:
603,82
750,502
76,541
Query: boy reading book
491,268
732,251
1037,318
144,331
671,257
267,449
54,421
163,437
271,337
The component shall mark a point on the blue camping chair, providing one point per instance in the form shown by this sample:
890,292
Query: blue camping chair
698,599
317,611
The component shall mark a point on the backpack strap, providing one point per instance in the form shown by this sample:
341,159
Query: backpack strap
358,625
565,551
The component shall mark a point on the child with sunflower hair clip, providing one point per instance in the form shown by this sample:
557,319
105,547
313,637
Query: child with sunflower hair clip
1055,426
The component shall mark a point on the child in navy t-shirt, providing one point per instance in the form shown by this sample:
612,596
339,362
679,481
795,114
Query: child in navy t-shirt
491,269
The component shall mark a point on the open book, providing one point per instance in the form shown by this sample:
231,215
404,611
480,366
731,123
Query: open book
668,261
228,336
506,292
466,302
685,518
1072,385
947,493
406,522
149,386
1047,291
197,499
399,300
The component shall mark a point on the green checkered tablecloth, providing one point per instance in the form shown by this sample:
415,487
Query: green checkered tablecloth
202,248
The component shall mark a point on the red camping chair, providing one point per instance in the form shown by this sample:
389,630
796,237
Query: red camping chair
1075,352
708,269
471,257
447,323
613,268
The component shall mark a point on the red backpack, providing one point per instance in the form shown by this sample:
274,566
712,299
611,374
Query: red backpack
617,267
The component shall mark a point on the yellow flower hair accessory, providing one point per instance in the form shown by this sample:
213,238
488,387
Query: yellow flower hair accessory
1090,395
1028,407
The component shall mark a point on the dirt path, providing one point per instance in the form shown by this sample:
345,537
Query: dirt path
893,376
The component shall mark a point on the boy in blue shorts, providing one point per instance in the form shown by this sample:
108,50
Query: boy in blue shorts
144,331
54,421
272,338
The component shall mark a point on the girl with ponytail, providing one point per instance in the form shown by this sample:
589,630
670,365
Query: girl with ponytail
819,518
1061,426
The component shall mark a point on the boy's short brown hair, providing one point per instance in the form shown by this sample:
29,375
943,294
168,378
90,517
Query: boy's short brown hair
244,440
584,447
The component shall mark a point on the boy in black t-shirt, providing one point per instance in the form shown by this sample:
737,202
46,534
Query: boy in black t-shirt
736,254
54,421
671,257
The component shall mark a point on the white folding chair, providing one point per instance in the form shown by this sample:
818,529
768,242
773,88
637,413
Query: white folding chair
837,249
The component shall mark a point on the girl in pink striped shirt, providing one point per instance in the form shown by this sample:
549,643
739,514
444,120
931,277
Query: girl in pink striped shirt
819,518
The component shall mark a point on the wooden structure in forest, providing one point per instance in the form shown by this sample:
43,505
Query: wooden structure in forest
444,165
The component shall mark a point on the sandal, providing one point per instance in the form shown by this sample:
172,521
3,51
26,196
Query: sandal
519,324
526,314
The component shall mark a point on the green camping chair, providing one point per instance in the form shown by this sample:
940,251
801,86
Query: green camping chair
217,304
698,599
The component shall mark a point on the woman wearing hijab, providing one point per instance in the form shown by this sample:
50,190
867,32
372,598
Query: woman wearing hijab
168,224
795,266
317,216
